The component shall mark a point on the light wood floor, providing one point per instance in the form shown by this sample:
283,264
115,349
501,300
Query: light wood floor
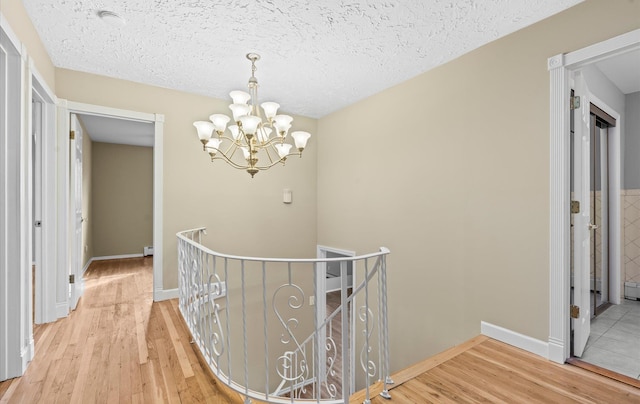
483,370
119,347
115,347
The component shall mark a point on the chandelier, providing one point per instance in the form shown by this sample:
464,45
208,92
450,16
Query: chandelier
253,143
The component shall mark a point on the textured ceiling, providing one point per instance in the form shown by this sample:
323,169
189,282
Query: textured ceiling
317,56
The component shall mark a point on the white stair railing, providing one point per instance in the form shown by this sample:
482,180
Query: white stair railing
255,323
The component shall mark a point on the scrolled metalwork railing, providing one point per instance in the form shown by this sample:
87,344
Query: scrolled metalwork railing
255,322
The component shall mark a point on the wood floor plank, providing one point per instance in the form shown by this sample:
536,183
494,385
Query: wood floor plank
491,371
183,360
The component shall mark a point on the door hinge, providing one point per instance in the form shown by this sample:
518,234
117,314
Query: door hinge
574,311
575,206
72,279
72,134
574,102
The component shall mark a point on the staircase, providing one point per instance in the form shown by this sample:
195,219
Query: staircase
256,324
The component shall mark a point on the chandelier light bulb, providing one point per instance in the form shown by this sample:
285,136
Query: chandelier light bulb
240,97
283,149
239,110
220,122
270,109
205,130
300,138
250,124
235,132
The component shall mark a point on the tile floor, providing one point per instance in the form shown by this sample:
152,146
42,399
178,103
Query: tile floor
614,342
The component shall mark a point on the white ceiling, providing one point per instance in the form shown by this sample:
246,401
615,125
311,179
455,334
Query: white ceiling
317,55
623,70
117,130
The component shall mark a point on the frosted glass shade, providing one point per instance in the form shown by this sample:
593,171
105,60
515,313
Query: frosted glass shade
270,109
282,123
235,131
220,122
263,134
245,152
250,124
205,129
240,97
300,138
213,143
239,110
283,149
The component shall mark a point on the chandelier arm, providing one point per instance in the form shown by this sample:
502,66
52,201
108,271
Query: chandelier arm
232,163
232,145
279,161
274,140
266,149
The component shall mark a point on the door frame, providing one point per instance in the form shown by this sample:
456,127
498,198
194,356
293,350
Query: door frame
76,289
65,108
16,341
45,302
321,305
560,69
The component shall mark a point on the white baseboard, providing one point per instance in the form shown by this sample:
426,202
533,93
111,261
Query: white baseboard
116,257
62,309
557,351
535,346
86,266
27,354
165,294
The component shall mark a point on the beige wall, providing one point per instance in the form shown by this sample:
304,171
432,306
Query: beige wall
243,215
87,195
450,170
21,24
122,198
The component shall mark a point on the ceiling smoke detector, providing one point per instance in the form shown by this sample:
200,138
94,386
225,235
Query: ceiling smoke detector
111,18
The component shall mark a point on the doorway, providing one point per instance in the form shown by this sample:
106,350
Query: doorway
329,296
65,255
562,69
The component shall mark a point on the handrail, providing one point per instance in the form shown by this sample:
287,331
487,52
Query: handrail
383,251
250,313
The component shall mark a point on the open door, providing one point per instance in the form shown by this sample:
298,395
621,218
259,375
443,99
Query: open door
76,284
582,227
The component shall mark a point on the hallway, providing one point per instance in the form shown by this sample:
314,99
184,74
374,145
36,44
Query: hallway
115,347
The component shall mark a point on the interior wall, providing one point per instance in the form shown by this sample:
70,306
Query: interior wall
631,149
243,216
453,177
121,198
631,192
87,211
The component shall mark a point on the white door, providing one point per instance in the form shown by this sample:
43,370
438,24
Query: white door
581,220
76,284
36,120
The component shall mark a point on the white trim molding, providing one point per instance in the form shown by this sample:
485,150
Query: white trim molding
529,344
115,257
15,208
560,67
45,274
164,294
